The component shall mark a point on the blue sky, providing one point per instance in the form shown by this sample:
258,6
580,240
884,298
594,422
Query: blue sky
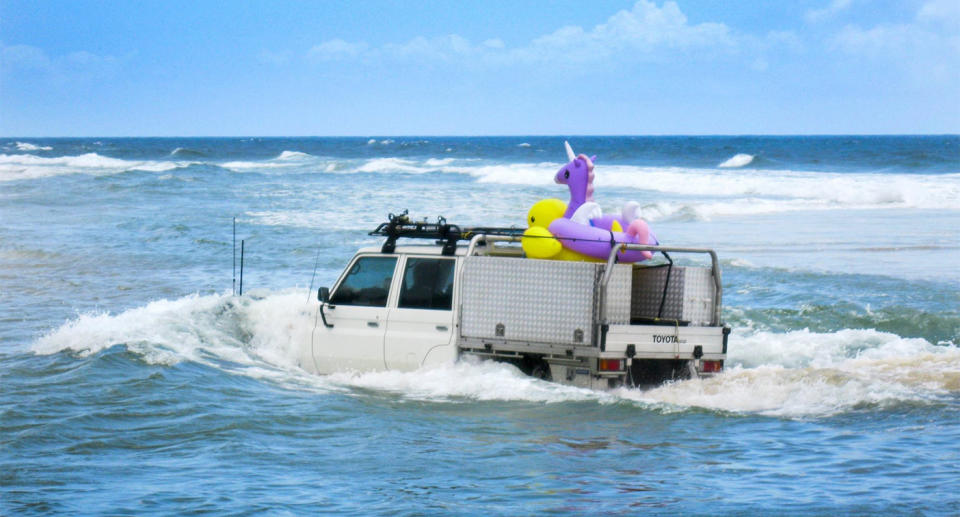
180,68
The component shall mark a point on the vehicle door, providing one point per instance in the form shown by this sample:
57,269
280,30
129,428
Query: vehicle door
357,310
420,327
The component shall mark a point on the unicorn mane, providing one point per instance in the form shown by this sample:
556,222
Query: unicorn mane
590,176
578,176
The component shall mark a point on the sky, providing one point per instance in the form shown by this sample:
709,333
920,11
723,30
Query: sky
466,67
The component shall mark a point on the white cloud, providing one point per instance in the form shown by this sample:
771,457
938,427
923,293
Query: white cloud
945,12
441,48
880,40
72,66
24,56
337,49
835,7
932,34
644,31
929,46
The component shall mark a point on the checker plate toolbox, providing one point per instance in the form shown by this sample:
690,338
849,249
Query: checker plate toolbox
590,324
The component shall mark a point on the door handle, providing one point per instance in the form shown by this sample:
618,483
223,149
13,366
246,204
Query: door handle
323,316
373,324
442,328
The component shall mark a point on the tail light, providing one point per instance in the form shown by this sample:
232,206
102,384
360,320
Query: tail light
711,366
612,365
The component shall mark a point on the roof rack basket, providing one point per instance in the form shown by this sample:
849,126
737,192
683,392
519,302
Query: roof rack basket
400,225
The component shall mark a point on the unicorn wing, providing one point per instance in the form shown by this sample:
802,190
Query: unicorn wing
586,212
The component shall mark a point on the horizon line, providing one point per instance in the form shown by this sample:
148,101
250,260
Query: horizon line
518,135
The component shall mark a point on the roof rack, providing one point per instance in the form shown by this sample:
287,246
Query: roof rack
444,233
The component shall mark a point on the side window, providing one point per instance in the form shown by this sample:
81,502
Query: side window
367,283
427,284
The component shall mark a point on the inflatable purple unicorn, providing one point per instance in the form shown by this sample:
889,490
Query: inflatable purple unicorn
578,176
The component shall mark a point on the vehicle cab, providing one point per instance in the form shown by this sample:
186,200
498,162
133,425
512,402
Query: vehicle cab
388,311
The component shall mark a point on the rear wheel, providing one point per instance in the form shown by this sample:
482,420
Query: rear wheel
649,373
536,367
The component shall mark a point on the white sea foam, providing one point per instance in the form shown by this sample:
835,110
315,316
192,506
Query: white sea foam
738,160
706,211
523,145
803,373
793,374
683,193
829,190
219,330
391,165
293,156
470,379
721,192
285,160
27,147
28,166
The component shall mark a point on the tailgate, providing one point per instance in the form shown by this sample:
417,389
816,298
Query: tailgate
667,342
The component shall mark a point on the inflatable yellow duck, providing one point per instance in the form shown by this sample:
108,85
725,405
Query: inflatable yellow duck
537,240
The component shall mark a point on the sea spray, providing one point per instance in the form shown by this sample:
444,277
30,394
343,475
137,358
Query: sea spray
794,374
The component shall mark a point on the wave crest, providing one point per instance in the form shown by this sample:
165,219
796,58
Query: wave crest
28,147
185,151
731,191
737,160
28,166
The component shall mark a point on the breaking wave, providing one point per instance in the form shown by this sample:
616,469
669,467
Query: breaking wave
738,160
27,147
184,151
250,331
285,160
743,191
28,166
795,373
717,192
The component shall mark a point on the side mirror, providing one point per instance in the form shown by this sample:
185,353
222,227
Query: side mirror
323,294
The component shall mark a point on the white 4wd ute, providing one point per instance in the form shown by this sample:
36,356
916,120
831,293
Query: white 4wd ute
589,324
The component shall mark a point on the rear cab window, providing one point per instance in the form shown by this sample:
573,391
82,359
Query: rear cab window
367,283
427,284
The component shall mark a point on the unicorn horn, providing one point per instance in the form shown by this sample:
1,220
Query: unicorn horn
570,155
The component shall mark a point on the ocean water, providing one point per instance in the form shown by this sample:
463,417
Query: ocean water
133,382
